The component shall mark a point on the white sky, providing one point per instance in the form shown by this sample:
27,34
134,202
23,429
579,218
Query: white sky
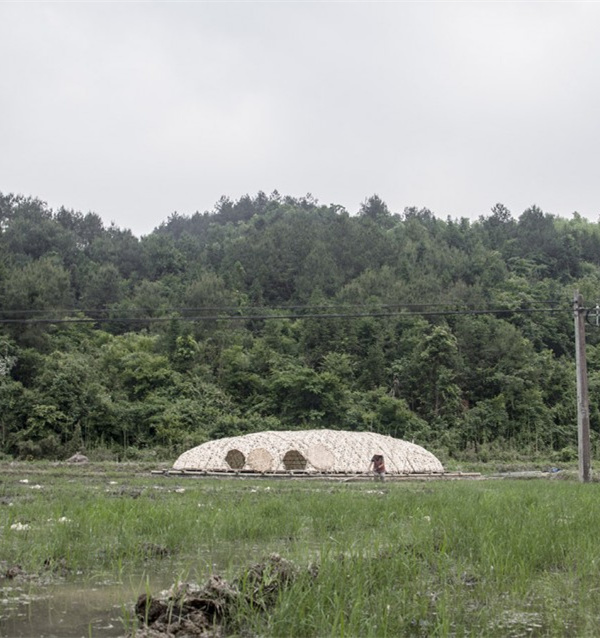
136,110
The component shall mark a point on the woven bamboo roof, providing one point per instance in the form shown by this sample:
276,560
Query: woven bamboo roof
309,451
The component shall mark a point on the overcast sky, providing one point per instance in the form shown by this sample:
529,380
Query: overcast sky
137,110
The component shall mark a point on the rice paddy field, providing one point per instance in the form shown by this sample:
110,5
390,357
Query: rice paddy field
78,545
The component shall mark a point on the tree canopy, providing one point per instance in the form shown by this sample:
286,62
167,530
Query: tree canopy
274,312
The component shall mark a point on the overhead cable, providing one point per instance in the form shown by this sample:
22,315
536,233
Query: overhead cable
271,317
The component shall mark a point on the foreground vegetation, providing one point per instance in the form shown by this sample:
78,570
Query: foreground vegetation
488,557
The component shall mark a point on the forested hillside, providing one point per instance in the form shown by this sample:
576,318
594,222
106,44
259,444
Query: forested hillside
273,312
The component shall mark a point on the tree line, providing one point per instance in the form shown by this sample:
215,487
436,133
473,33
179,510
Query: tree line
274,312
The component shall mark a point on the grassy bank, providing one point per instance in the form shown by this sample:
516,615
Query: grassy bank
495,558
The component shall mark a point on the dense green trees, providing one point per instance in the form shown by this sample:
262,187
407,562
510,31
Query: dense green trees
278,312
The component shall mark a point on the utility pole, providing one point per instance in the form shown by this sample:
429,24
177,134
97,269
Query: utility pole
583,410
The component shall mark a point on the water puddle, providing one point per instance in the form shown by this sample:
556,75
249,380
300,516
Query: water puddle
79,607
72,609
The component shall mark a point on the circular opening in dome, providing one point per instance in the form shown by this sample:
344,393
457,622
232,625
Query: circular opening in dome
320,457
235,459
294,460
260,460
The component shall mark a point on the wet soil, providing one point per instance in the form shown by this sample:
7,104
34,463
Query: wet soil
52,605
54,600
210,611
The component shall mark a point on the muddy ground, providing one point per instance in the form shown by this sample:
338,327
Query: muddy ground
215,609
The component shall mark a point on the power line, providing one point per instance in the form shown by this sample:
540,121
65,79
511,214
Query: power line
253,308
271,317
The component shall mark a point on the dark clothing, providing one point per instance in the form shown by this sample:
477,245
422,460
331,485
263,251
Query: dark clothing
378,464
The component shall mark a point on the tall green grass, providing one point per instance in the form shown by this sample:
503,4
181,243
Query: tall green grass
493,558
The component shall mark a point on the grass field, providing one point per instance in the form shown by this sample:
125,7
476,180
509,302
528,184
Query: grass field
480,558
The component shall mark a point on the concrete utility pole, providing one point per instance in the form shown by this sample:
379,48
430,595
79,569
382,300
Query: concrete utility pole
583,410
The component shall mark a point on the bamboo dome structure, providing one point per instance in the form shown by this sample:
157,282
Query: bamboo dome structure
308,451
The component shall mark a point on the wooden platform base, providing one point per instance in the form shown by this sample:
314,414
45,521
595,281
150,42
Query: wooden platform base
328,476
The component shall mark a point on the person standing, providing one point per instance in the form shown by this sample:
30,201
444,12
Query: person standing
378,467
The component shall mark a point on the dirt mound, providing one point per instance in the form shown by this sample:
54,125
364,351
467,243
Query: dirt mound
190,610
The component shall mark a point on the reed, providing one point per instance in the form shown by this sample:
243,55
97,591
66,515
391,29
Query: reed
492,558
